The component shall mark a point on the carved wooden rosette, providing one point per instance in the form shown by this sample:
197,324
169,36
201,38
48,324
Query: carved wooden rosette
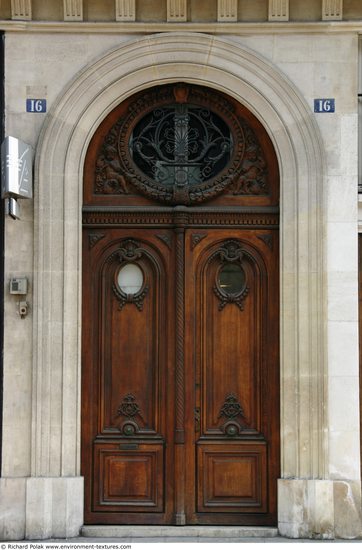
246,172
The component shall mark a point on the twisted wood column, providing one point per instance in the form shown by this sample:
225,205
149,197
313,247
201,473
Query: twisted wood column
180,223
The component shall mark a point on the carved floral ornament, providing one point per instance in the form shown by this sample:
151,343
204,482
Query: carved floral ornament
233,412
181,144
129,409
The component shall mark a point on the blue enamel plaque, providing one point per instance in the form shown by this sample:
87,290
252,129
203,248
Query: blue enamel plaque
36,105
324,105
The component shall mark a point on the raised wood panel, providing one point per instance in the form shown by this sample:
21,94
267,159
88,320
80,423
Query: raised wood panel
231,340
129,345
232,477
129,480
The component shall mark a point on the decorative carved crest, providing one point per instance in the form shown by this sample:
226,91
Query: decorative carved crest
181,144
129,251
231,410
231,407
130,409
129,406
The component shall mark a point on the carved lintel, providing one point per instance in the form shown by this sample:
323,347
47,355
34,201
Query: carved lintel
260,220
165,239
196,238
332,10
267,239
176,10
21,10
73,10
94,238
227,10
278,10
125,10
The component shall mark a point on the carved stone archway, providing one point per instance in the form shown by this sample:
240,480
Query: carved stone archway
264,90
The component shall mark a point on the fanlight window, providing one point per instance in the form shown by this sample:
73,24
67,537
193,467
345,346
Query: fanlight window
181,144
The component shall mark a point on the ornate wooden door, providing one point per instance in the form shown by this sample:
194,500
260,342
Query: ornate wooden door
180,386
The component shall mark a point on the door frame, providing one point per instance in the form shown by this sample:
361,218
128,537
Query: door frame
246,76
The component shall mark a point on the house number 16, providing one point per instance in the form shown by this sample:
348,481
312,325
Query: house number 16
324,105
36,105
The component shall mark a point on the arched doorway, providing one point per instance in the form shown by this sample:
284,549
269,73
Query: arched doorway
180,379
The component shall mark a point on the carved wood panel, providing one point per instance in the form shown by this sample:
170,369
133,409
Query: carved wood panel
232,478
129,479
235,386
128,343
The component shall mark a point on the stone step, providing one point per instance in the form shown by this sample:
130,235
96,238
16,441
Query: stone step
150,531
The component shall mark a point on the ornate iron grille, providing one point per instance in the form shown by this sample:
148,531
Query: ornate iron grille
181,145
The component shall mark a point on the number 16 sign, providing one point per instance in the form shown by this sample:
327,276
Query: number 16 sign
324,105
36,105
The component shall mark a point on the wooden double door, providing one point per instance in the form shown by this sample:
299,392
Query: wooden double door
180,374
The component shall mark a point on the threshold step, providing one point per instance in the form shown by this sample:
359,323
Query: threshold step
150,531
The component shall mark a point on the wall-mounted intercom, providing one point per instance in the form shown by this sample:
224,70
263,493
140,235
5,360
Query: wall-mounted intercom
19,286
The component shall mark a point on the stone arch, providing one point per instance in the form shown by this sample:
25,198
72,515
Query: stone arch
274,100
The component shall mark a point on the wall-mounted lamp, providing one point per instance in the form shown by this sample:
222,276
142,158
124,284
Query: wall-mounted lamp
16,173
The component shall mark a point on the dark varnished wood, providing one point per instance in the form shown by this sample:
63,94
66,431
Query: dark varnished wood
127,351
235,351
179,363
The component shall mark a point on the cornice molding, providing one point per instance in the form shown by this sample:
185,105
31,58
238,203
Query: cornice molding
327,27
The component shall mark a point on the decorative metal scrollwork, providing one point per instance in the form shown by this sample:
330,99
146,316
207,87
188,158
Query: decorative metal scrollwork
130,409
231,410
181,144
235,290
